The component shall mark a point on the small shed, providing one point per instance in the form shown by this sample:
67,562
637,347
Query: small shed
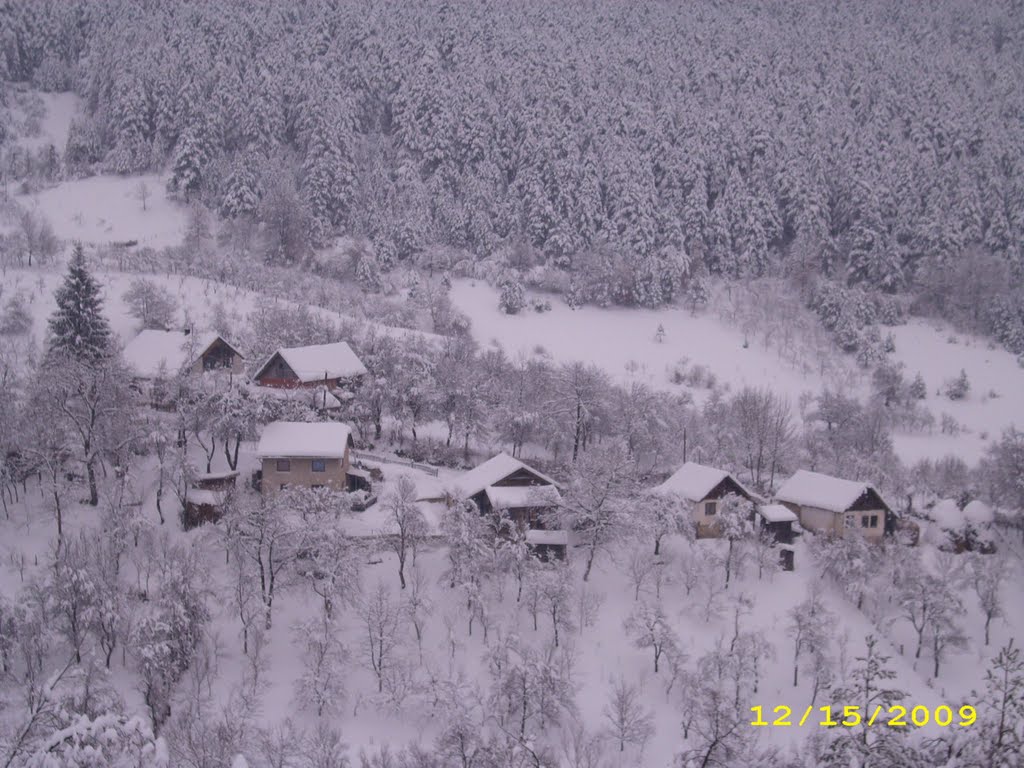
216,481
202,506
778,520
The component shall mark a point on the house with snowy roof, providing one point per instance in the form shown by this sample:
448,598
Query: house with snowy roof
826,504
704,487
309,455
157,354
329,365
509,486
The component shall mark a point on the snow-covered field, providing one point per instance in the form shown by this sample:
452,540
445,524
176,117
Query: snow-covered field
623,343
55,125
994,403
106,209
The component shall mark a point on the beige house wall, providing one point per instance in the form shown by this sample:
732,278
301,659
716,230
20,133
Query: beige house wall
825,521
301,474
707,525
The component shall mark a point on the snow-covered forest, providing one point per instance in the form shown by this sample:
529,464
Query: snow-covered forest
612,152
507,385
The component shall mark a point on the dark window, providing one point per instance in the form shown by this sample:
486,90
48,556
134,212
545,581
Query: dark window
284,465
865,521
283,486
874,521
709,508
317,485
319,465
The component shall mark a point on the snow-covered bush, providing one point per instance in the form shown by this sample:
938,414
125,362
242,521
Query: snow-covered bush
957,389
513,297
151,304
917,389
16,319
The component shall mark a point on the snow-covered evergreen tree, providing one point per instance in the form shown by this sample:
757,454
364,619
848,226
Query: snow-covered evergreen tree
79,328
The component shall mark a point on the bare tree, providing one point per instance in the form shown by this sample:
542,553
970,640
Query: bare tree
407,525
556,593
599,503
765,551
142,193
418,604
381,621
810,624
321,685
628,722
151,304
987,575
270,534
648,626
639,566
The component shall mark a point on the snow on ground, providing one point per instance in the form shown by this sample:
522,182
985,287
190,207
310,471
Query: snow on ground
196,298
105,209
622,342
619,339
55,124
994,403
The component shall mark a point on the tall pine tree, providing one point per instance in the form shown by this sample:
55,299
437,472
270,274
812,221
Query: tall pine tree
78,328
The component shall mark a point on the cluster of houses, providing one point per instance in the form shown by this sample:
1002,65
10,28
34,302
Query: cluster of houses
318,455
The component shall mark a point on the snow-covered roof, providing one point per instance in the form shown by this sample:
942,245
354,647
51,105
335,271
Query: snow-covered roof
320,361
201,496
216,476
694,481
300,439
547,537
813,489
776,513
164,353
519,496
493,471
978,512
947,515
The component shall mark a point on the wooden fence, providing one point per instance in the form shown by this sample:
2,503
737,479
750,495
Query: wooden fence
367,456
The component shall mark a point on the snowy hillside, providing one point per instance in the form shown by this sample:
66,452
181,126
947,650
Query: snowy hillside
486,385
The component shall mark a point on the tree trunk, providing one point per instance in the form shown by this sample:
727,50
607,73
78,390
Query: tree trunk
94,493
579,429
232,455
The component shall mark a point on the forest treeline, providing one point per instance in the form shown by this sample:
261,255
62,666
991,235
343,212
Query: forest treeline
617,153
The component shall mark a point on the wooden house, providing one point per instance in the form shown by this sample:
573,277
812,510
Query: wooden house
826,504
310,455
328,365
703,487
504,484
164,354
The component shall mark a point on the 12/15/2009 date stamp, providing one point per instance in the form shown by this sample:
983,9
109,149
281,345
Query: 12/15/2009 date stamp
894,716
